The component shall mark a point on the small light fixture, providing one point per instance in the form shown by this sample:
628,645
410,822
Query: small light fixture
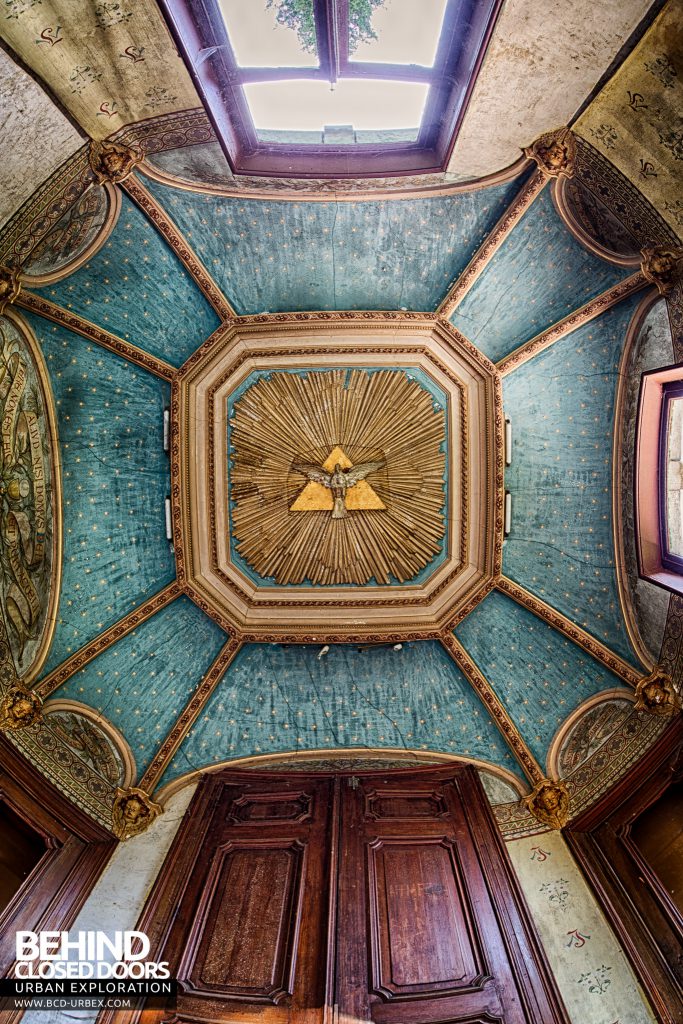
323,651
508,441
508,513
398,647
167,429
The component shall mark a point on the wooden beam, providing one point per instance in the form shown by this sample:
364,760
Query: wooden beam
189,715
567,628
47,686
493,705
570,323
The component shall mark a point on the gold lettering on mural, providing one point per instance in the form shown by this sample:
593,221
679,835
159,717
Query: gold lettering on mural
9,416
39,487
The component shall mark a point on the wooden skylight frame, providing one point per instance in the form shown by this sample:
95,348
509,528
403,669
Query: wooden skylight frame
202,38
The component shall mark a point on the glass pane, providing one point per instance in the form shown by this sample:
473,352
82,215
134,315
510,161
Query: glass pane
271,33
401,31
674,478
362,104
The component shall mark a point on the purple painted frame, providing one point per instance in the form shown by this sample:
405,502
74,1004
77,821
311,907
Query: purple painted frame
200,34
670,390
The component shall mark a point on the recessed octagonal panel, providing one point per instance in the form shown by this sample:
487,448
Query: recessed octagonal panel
338,475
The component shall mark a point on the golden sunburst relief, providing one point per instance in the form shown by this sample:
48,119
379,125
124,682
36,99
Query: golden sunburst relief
384,423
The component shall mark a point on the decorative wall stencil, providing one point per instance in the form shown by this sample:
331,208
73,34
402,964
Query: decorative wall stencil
30,551
74,238
589,732
93,739
287,435
595,980
84,67
635,119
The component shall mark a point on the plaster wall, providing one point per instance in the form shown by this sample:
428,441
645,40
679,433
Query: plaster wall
119,895
593,976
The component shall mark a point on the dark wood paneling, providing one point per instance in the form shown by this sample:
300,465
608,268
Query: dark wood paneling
425,894
317,900
647,922
76,851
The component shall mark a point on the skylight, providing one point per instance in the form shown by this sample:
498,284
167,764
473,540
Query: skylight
259,40
310,105
407,32
334,87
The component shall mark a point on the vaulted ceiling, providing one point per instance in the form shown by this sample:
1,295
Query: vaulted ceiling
128,289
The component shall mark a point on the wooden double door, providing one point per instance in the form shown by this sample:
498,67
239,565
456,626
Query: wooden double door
382,897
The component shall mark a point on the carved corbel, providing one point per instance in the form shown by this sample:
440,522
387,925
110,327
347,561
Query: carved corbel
20,708
133,812
661,266
9,286
655,693
111,162
554,153
549,803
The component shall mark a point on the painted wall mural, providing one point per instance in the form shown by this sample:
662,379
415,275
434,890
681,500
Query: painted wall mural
635,119
73,234
30,533
590,732
337,477
539,275
135,287
95,742
116,478
595,222
562,408
288,256
592,973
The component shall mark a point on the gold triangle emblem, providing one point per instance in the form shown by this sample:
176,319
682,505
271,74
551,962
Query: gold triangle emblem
316,498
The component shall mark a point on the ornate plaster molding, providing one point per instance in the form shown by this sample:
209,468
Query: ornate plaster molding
554,153
494,240
570,323
133,812
549,803
575,633
494,706
111,162
168,230
10,286
47,686
20,708
57,315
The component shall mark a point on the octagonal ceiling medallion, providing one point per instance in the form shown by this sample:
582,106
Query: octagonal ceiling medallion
337,475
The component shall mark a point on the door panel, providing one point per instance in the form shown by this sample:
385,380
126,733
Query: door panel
421,934
249,923
419,939
332,900
256,906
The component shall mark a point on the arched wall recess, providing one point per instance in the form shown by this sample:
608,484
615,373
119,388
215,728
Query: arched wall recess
100,743
76,237
593,224
585,730
337,759
621,412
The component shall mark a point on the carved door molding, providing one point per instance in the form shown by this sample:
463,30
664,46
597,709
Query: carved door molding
323,899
